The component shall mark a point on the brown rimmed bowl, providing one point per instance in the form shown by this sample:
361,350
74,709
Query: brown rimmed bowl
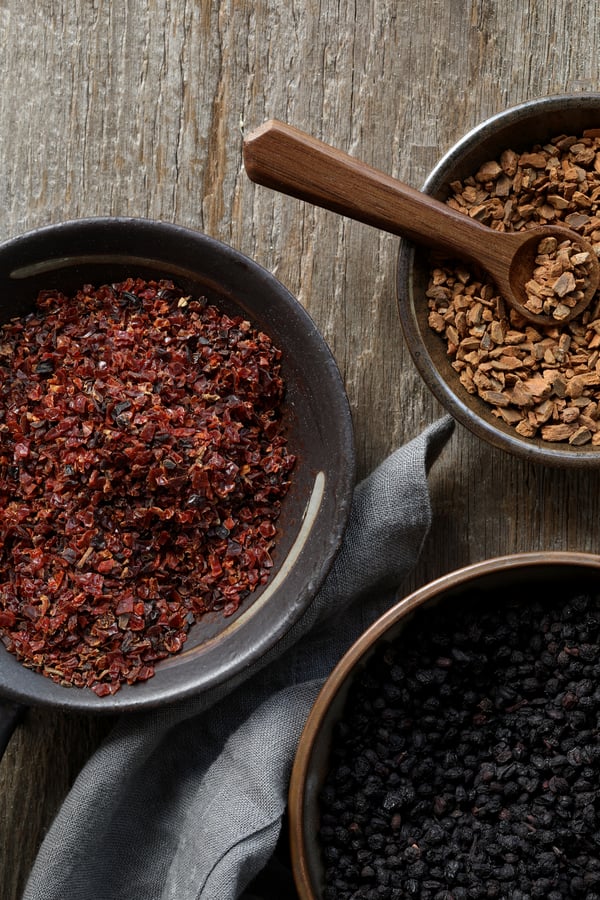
519,575
317,421
517,128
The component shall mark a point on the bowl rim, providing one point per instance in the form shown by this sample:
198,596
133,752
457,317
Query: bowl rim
341,676
506,439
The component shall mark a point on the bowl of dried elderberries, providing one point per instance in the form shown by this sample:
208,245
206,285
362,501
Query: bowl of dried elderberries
532,390
453,751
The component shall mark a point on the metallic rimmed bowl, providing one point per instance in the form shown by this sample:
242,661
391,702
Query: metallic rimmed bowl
517,575
317,421
518,128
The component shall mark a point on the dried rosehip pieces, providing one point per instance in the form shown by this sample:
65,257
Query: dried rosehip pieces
143,461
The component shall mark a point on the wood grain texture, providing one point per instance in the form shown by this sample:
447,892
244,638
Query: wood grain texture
140,108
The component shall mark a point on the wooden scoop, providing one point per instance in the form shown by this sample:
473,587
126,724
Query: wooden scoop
280,156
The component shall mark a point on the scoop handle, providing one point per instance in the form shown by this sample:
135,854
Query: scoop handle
282,157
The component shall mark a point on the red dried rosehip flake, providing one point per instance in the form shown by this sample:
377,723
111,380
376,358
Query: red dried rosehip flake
143,460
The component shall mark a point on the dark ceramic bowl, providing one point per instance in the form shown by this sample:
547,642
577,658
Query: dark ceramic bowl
518,128
519,575
318,425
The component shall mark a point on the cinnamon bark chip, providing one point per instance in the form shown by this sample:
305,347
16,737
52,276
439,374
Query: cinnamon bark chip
542,381
559,278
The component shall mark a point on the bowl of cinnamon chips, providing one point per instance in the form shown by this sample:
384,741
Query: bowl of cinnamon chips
531,390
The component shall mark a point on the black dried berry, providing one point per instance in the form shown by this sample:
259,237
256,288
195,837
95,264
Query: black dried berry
472,741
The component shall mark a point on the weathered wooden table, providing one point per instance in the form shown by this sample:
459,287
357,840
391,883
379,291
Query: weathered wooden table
139,108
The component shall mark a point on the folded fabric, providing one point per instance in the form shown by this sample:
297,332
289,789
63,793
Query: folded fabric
185,802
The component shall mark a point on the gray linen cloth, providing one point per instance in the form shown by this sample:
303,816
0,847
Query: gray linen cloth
186,802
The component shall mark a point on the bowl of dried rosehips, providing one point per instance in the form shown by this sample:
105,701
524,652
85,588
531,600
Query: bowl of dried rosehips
176,463
531,390
453,751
